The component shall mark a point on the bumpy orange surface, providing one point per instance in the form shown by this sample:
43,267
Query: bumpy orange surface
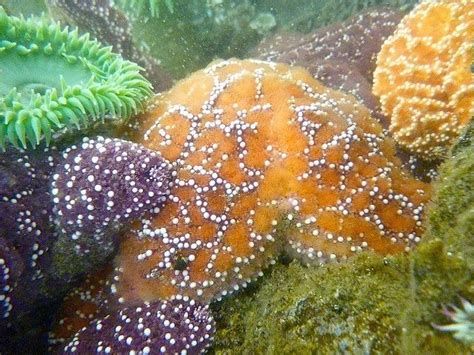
424,78
264,157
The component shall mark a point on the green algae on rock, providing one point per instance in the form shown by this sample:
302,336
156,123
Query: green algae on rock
23,7
370,303
193,33
151,7
199,31
451,216
365,305
61,81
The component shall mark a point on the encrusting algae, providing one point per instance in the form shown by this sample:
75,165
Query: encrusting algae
424,79
259,147
451,216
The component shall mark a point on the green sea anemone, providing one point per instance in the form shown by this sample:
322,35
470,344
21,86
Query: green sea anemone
54,79
462,325
151,7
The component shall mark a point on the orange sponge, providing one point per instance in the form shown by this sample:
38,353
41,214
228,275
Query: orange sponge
424,79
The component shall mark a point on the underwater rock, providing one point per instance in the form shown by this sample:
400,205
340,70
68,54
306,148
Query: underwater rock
172,327
148,7
110,26
265,158
263,23
451,215
84,83
369,304
99,186
24,7
424,79
198,32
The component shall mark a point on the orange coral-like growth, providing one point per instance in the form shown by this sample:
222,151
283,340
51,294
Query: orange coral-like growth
264,156
424,78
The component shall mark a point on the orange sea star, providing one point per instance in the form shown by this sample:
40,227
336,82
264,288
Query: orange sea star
81,306
264,157
424,79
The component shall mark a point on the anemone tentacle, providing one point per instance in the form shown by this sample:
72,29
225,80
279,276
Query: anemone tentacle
62,80
462,318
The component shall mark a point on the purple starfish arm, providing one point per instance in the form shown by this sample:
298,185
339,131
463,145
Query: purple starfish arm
25,218
10,270
103,183
171,327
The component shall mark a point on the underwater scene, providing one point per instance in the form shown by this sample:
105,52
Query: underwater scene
236,177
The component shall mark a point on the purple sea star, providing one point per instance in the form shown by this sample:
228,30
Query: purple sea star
172,327
41,217
26,211
355,41
341,55
103,183
10,268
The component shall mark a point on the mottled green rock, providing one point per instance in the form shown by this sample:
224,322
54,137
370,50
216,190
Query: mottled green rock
369,304
67,265
198,31
24,7
451,216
